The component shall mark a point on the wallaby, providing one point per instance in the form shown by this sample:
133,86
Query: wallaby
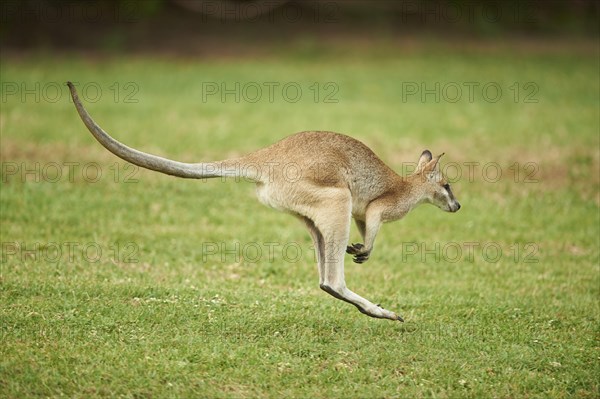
324,179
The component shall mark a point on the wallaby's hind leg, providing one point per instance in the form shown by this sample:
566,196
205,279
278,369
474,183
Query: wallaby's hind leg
317,238
333,230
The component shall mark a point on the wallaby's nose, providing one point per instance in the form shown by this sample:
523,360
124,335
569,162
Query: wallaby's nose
457,206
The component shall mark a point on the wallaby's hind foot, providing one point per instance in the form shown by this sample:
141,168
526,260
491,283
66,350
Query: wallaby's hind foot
380,313
361,255
363,305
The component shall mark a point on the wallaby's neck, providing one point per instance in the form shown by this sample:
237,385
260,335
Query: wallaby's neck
408,196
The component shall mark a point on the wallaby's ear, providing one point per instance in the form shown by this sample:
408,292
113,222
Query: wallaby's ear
423,160
433,165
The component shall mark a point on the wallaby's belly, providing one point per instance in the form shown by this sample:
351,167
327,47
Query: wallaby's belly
268,198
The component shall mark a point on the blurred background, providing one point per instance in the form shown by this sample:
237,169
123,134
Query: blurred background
251,27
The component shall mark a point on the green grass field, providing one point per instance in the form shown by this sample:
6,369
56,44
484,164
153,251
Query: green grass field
123,282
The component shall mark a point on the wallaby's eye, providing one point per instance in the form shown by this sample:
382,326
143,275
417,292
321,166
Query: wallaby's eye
446,186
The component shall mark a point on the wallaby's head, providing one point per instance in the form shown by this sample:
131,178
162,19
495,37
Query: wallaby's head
432,185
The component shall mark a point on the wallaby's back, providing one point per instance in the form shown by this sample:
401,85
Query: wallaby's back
324,159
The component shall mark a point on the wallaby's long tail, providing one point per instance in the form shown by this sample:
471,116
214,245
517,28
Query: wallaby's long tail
149,161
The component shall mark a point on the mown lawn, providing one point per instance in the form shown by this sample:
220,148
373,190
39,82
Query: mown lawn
123,282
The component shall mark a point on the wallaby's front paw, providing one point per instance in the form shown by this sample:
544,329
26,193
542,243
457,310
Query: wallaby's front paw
355,249
360,254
